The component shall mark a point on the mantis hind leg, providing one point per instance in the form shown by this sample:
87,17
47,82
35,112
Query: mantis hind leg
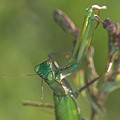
37,104
77,92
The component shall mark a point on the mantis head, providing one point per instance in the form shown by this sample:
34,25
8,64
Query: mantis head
46,70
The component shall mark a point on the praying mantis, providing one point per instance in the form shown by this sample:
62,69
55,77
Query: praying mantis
65,99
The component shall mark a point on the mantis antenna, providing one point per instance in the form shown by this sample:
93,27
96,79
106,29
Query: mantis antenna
4,74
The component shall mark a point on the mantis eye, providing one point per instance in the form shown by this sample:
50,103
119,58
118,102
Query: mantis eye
51,76
37,67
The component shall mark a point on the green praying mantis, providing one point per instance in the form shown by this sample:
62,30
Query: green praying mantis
65,99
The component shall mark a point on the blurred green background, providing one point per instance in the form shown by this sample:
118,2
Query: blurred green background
27,34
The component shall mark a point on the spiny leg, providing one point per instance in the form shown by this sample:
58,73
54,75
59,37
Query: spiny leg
77,92
51,56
